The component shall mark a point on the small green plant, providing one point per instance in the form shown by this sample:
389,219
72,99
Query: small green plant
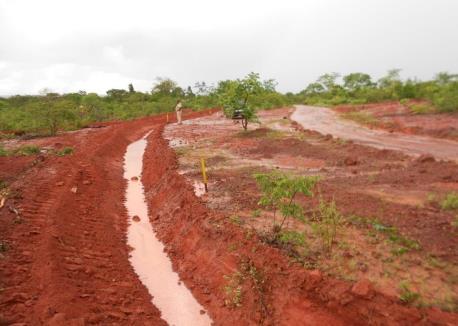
450,202
27,150
328,222
65,151
232,247
3,151
406,294
421,108
256,213
431,198
292,237
236,219
455,222
279,191
363,118
233,289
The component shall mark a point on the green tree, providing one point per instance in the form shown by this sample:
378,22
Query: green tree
236,95
131,88
329,81
165,86
117,94
356,81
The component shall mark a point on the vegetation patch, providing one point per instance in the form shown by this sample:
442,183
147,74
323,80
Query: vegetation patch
65,151
26,150
450,202
363,118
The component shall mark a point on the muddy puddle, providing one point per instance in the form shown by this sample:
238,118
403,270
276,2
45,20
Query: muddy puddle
327,121
150,262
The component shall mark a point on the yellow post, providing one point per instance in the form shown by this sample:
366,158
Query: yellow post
167,117
204,173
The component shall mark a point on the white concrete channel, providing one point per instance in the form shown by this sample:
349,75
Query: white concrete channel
177,305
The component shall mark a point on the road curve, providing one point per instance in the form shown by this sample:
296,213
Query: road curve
326,121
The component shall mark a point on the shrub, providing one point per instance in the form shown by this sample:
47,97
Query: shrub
278,194
450,202
65,151
27,150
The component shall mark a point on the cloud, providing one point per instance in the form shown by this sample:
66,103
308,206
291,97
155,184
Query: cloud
98,45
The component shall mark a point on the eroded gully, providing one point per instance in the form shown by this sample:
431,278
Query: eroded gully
150,262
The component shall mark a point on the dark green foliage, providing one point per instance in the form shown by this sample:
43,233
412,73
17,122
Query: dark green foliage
358,88
50,113
248,95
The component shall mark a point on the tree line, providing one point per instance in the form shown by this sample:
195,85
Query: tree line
49,112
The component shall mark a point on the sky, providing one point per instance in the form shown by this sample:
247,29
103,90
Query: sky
96,45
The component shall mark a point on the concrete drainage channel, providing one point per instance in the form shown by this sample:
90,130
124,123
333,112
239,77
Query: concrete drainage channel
150,262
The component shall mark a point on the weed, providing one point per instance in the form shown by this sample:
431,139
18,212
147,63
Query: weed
432,197
454,223
435,262
329,221
233,289
183,150
232,247
235,219
65,151
292,237
399,251
421,108
256,213
3,151
341,141
395,237
27,150
363,118
450,202
21,151
406,294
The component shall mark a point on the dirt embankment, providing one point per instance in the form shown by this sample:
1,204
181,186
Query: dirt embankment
67,262
241,280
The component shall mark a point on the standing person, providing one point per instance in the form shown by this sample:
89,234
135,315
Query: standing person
178,108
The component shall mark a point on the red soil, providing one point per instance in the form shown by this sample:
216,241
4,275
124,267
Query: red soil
67,258
394,116
197,240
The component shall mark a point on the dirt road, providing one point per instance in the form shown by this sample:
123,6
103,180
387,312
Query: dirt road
327,121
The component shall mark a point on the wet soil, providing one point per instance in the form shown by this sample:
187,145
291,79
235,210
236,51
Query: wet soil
393,116
383,185
326,121
66,260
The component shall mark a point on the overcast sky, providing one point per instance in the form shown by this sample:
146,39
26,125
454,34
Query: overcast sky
95,45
